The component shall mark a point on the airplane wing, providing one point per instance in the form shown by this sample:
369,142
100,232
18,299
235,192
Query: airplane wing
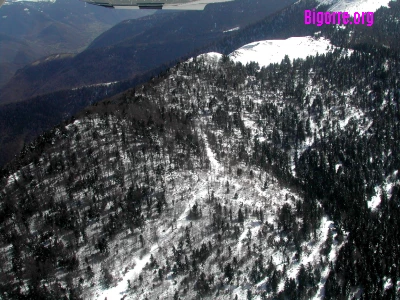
155,4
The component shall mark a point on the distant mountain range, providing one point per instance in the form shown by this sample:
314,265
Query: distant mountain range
135,46
32,30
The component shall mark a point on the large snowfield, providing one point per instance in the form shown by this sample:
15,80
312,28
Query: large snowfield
273,51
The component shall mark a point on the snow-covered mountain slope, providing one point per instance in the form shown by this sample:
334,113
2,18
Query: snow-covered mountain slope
352,6
217,180
273,51
213,224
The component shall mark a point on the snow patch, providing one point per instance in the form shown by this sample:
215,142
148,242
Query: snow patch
387,187
96,84
274,51
352,6
122,287
233,29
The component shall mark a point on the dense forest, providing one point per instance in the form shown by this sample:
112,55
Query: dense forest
217,180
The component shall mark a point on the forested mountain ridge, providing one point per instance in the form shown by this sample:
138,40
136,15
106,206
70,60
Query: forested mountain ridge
130,52
216,180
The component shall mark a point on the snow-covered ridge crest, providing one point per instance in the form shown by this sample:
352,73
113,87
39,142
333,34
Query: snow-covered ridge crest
352,6
273,51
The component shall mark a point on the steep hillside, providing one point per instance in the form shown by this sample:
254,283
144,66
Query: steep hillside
21,122
15,135
219,180
164,155
216,180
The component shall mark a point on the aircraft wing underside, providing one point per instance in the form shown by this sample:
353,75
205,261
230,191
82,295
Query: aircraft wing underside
155,4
